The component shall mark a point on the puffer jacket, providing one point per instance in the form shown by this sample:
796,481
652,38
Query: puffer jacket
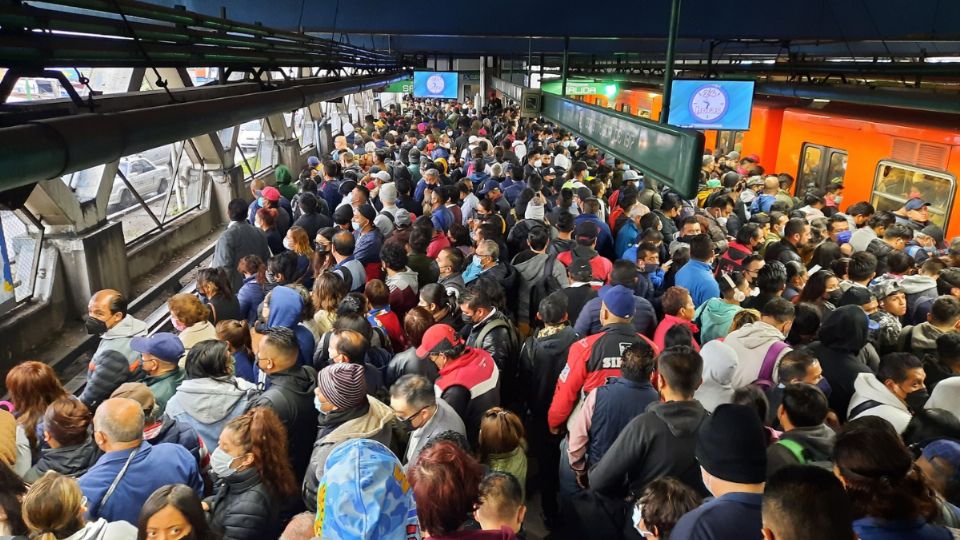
249,297
114,362
208,404
714,317
841,337
243,508
70,461
290,395
376,424
531,270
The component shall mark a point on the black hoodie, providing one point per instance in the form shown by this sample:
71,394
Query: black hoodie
841,337
291,396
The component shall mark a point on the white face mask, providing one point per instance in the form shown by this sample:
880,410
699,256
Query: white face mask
221,463
538,163
722,221
288,244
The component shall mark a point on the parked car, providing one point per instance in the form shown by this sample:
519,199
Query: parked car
148,179
249,138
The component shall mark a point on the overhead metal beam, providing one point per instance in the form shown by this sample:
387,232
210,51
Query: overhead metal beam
50,148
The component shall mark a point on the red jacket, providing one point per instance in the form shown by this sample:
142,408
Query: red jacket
600,265
668,322
388,319
590,362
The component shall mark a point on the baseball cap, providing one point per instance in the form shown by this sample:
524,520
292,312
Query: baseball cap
934,232
402,218
755,181
271,193
883,288
946,450
915,203
437,339
488,185
163,345
631,175
733,155
856,295
313,161
587,230
580,265
619,300
138,392
384,176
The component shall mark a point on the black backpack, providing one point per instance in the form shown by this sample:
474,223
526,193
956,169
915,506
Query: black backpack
545,285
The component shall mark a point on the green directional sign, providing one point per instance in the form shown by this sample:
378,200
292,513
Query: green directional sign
582,88
403,87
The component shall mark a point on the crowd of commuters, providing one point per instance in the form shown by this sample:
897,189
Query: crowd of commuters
458,311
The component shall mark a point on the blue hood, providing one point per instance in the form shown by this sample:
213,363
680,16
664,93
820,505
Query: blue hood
286,307
365,495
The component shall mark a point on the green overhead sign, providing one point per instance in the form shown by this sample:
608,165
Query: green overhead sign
403,87
582,88
668,154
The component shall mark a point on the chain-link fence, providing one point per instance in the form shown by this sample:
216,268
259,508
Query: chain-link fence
23,251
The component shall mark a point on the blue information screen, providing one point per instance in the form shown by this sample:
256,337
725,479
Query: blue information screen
711,104
435,84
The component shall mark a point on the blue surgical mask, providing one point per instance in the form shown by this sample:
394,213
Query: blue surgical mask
356,226
262,202
824,385
844,237
220,462
318,405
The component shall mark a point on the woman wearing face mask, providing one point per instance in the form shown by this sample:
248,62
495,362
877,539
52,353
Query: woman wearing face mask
822,290
174,512
298,242
434,298
323,255
254,475
191,319
266,221
715,315
796,278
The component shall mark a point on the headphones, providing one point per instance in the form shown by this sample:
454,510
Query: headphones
738,295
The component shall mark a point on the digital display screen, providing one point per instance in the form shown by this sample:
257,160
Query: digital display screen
435,84
711,104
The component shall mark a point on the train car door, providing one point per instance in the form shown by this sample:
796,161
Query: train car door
820,166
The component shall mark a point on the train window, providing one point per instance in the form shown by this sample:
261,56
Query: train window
729,141
897,182
820,166
625,108
811,165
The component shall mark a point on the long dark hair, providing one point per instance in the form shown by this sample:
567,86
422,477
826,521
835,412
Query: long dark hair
216,277
260,432
209,359
12,490
185,500
815,287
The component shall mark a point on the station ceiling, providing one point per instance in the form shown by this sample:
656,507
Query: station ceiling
737,29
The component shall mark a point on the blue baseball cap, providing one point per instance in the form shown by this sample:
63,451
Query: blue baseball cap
163,345
946,450
488,186
313,161
915,203
619,300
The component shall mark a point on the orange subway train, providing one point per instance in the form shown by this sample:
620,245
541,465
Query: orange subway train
883,155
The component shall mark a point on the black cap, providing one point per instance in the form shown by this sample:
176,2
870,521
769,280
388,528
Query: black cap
343,214
855,296
587,230
731,446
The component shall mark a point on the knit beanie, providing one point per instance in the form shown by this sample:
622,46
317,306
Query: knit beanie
388,193
344,385
730,445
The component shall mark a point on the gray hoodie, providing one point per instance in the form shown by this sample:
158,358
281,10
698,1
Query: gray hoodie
101,529
868,387
751,344
530,271
208,404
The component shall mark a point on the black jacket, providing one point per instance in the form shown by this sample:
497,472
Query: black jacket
842,335
577,297
660,442
67,460
541,361
312,223
782,251
408,363
242,508
882,250
291,396
182,433
503,343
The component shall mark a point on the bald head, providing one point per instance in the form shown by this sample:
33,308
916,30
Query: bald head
771,185
118,424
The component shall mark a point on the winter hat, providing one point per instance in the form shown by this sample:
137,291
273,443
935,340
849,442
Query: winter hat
388,193
731,446
534,211
344,385
138,392
364,494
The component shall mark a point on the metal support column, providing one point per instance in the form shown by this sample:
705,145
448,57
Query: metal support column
671,54
566,65
529,62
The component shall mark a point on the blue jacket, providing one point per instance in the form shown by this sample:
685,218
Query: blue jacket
250,296
330,192
616,403
697,277
605,240
725,517
626,238
915,529
644,317
153,467
418,192
441,219
286,308
368,246
513,191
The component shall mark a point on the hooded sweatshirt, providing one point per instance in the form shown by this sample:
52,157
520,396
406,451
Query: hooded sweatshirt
751,344
817,443
869,388
660,442
841,337
918,287
719,366
531,270
208,404
404,291
286,309
715,318
114,362
101,529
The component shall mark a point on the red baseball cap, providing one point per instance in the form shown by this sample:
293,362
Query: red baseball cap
437,339
270,193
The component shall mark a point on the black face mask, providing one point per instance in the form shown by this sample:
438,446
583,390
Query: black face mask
94,326
466,318
407,425
917,399
834,296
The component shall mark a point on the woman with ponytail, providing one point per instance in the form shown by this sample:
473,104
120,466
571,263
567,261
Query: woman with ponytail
254,476
252,291
54,508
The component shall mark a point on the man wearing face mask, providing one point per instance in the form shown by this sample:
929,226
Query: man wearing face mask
345,412
714,219
290,392
895,393
369,240
421,414
533,165
160,355
114,362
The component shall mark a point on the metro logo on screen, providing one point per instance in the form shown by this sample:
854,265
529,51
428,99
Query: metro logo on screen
431,84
